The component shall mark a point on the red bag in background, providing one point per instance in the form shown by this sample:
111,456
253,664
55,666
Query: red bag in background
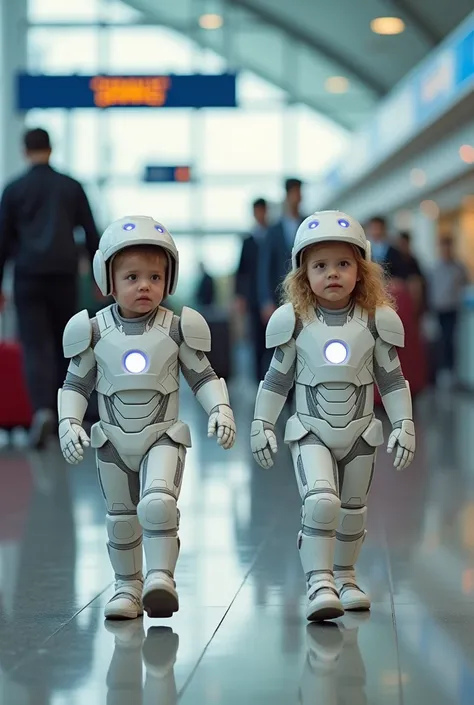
15,405
413,359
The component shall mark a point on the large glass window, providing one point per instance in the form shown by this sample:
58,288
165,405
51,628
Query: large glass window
138,138
63,50
242,142
236,155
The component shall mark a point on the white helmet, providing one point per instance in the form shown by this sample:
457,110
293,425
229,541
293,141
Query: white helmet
324,226
127,232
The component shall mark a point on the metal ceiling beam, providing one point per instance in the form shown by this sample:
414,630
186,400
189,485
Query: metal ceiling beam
336,116
418,22
317,44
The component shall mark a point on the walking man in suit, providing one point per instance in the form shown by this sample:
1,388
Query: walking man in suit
246,283
275,253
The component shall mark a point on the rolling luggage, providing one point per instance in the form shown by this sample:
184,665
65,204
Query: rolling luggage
15,405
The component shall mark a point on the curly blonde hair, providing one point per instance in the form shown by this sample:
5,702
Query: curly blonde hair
369,292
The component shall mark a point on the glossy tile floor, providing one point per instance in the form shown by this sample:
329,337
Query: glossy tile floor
240,635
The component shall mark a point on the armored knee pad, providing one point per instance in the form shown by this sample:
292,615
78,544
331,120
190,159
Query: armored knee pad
321,511
157,511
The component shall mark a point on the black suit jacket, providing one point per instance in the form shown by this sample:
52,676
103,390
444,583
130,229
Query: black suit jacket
246,277
274,264
38,214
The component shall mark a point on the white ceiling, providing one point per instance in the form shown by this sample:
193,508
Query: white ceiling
297,45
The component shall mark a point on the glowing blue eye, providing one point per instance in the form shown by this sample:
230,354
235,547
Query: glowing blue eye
128,226
313,224
159,228
343,223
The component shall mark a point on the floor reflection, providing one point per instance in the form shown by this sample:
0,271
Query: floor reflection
334,671
134,653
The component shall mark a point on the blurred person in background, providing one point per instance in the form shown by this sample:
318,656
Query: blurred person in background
246,283
414,277
38,214
275,253
205,292
446,282
383,252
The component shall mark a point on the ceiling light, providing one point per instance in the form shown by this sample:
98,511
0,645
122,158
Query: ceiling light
418,177
466,152
430,209
211,21
387,25
336,84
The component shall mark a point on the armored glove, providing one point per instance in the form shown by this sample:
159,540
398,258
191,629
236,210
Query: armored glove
263,442
73,440
221,421
403,439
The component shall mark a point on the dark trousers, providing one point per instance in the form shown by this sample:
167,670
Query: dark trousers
447,322
257,332
44,305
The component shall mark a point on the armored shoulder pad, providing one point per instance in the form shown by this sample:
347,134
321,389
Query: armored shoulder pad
195,330
281,326
77,334
389,326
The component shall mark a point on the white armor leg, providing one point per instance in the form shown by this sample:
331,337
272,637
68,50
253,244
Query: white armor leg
120,489
355,477
316,475
161,474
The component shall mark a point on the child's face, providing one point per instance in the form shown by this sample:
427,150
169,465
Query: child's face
139,280
331,268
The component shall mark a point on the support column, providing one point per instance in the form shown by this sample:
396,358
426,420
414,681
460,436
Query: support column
13,38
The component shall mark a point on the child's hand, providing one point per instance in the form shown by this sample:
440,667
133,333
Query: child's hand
221,420
404,440
263,443
73,440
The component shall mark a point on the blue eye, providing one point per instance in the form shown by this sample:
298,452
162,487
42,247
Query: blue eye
159,228
313,224
128,226
343,223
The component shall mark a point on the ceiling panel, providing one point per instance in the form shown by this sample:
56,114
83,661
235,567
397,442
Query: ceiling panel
298,45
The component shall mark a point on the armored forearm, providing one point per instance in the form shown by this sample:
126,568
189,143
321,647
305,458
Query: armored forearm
80,380
273,391
393,386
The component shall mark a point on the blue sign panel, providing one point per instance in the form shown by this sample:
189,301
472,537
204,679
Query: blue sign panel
424,95
167,174
173,91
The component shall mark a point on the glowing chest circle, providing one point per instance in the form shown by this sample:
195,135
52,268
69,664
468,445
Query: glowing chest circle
135,361
336,352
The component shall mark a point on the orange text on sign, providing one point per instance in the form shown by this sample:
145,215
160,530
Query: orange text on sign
114,91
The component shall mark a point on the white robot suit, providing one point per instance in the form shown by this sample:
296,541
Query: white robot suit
333,357
134,365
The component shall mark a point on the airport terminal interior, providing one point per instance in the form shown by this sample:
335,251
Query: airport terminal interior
212,104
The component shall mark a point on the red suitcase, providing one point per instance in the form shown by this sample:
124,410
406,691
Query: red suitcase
15,405
413,359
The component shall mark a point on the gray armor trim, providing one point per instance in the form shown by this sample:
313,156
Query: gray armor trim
81,385
175,331
360,447
335,318
389,381
196,380
108,454
95,332
133,326
298,328
279,382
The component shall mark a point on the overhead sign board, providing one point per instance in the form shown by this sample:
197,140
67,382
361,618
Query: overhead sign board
167,174
173,91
